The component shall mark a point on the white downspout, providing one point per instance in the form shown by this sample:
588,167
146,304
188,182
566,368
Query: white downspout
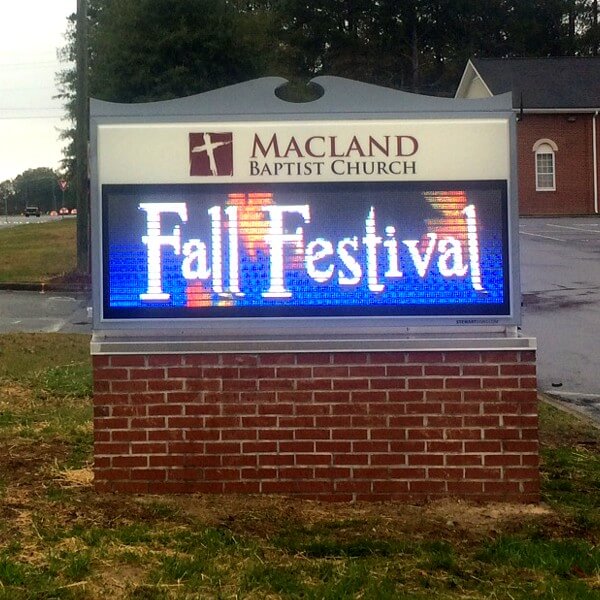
595,153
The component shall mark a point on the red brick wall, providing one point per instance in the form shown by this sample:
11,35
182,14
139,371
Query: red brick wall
330,426
574,164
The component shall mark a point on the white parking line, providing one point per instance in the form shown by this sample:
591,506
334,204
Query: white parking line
61,299
546,237
55,327
575,228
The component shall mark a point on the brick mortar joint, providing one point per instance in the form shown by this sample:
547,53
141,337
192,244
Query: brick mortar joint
243,360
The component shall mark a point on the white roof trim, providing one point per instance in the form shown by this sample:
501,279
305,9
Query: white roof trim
466,80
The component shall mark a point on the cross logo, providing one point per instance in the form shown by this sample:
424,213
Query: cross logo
211,154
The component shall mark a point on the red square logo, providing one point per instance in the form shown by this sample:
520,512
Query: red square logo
211,154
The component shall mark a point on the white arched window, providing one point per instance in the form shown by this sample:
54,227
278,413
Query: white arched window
545,165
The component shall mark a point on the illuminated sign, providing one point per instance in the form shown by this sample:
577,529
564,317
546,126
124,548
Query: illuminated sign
233,215
305,249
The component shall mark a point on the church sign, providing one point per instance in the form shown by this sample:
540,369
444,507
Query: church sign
225,221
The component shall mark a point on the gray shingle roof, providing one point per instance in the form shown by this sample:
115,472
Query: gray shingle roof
565,82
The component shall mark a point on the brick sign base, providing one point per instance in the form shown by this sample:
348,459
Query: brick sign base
408,426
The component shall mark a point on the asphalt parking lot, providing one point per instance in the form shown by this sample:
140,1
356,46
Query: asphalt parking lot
560,282
50,312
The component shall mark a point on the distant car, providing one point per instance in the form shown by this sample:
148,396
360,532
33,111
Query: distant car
32,211
63,211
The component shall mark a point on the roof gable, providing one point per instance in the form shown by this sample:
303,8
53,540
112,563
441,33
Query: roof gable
545,83
471,84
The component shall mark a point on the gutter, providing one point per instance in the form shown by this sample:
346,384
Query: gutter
544,111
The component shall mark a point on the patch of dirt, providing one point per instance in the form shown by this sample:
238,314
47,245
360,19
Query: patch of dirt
23,460
483,519
70,545
74,478
118,578
264,516
13,395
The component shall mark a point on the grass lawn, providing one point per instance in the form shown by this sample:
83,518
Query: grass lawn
38,252
58,539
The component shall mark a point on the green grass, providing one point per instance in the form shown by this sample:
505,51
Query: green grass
37,252
46,388
563,557
570,453
45,395
58,539
27,356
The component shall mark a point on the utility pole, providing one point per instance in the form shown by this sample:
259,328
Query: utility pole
595,30
81,141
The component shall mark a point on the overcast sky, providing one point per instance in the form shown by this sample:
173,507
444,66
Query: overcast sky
31,31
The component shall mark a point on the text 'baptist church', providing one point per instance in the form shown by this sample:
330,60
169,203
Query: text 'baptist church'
368,155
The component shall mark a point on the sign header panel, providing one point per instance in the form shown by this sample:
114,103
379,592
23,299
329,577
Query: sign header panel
407,150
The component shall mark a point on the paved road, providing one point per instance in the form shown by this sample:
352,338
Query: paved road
6,222
49,312
560,273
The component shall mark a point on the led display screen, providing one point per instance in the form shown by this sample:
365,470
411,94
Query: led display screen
305,249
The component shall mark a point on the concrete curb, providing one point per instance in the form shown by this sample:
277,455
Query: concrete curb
560,404
46,287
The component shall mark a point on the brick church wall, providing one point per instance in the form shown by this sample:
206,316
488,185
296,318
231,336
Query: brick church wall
574,193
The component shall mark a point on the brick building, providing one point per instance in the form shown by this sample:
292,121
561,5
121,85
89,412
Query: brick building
557,102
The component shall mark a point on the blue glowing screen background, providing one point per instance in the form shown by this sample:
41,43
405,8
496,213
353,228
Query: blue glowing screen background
334,249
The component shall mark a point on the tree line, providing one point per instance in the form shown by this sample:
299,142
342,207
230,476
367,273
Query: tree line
145,50
34,187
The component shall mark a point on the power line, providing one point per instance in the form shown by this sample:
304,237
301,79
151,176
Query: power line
26,89
21,108
30,64
28,117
